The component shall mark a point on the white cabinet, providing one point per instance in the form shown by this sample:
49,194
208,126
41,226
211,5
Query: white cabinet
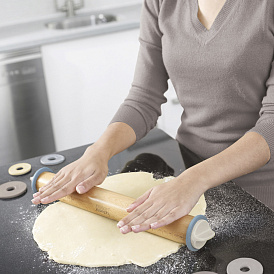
87,80
170,119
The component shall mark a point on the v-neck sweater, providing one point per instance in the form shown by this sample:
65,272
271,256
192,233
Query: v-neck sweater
223,77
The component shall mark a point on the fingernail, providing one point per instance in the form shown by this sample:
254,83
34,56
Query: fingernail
153,225
124,228
135,227
129,207
44,200
80,189
36,194
120,224
36,200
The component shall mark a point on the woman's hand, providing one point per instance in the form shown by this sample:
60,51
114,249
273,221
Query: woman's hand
162,205
89,170
170,201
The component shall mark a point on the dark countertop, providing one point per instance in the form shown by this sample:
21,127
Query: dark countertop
244,227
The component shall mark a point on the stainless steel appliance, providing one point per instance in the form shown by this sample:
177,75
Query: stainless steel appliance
25,122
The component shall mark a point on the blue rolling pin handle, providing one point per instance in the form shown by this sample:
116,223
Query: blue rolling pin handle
36,175
189,231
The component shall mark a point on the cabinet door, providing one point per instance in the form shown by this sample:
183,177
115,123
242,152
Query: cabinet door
87,80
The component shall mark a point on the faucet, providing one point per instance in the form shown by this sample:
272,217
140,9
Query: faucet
69,7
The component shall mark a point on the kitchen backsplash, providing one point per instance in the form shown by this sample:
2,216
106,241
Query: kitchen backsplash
13,11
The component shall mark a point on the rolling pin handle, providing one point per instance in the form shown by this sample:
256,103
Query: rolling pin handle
36,175
198,233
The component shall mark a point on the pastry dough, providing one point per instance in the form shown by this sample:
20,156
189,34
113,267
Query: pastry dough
74,236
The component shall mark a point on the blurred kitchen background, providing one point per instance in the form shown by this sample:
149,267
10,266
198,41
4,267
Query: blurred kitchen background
65,68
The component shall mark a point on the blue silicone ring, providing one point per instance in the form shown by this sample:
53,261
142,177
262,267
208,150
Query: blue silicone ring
189,231
36,175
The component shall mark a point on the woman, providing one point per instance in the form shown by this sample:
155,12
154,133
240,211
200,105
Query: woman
218,55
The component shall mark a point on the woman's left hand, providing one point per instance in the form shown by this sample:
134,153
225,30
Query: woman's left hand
161,205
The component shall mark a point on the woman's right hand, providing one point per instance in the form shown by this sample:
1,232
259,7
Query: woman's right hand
88,171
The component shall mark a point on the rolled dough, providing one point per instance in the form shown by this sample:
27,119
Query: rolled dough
74,236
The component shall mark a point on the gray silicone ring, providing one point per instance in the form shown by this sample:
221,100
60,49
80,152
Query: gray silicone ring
12,189
52,159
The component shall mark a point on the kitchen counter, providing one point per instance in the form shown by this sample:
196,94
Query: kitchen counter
34,33
243,225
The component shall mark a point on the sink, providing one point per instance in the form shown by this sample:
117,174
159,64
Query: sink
81,21
56,27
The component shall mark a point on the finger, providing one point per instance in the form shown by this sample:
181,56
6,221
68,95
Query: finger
146,215
143,226
36,194
137,224
60,193
53,181
54,187
125,229
56,177
90,182
36,200
139,201
156,217
170,217
140,228
135,213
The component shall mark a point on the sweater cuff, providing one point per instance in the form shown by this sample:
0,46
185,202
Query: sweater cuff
266,129
132,117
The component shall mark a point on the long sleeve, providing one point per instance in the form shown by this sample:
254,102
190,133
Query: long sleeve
223,78
265,123
142,106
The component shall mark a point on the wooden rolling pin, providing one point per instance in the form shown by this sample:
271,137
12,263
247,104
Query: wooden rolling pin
113,206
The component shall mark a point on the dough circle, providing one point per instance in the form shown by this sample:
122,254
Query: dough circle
74,236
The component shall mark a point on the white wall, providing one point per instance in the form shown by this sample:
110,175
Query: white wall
13,11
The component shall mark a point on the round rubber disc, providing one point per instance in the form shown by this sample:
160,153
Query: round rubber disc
244,265
12,189
19,169
52,159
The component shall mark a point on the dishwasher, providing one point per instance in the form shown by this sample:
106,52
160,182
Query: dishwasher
25,121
